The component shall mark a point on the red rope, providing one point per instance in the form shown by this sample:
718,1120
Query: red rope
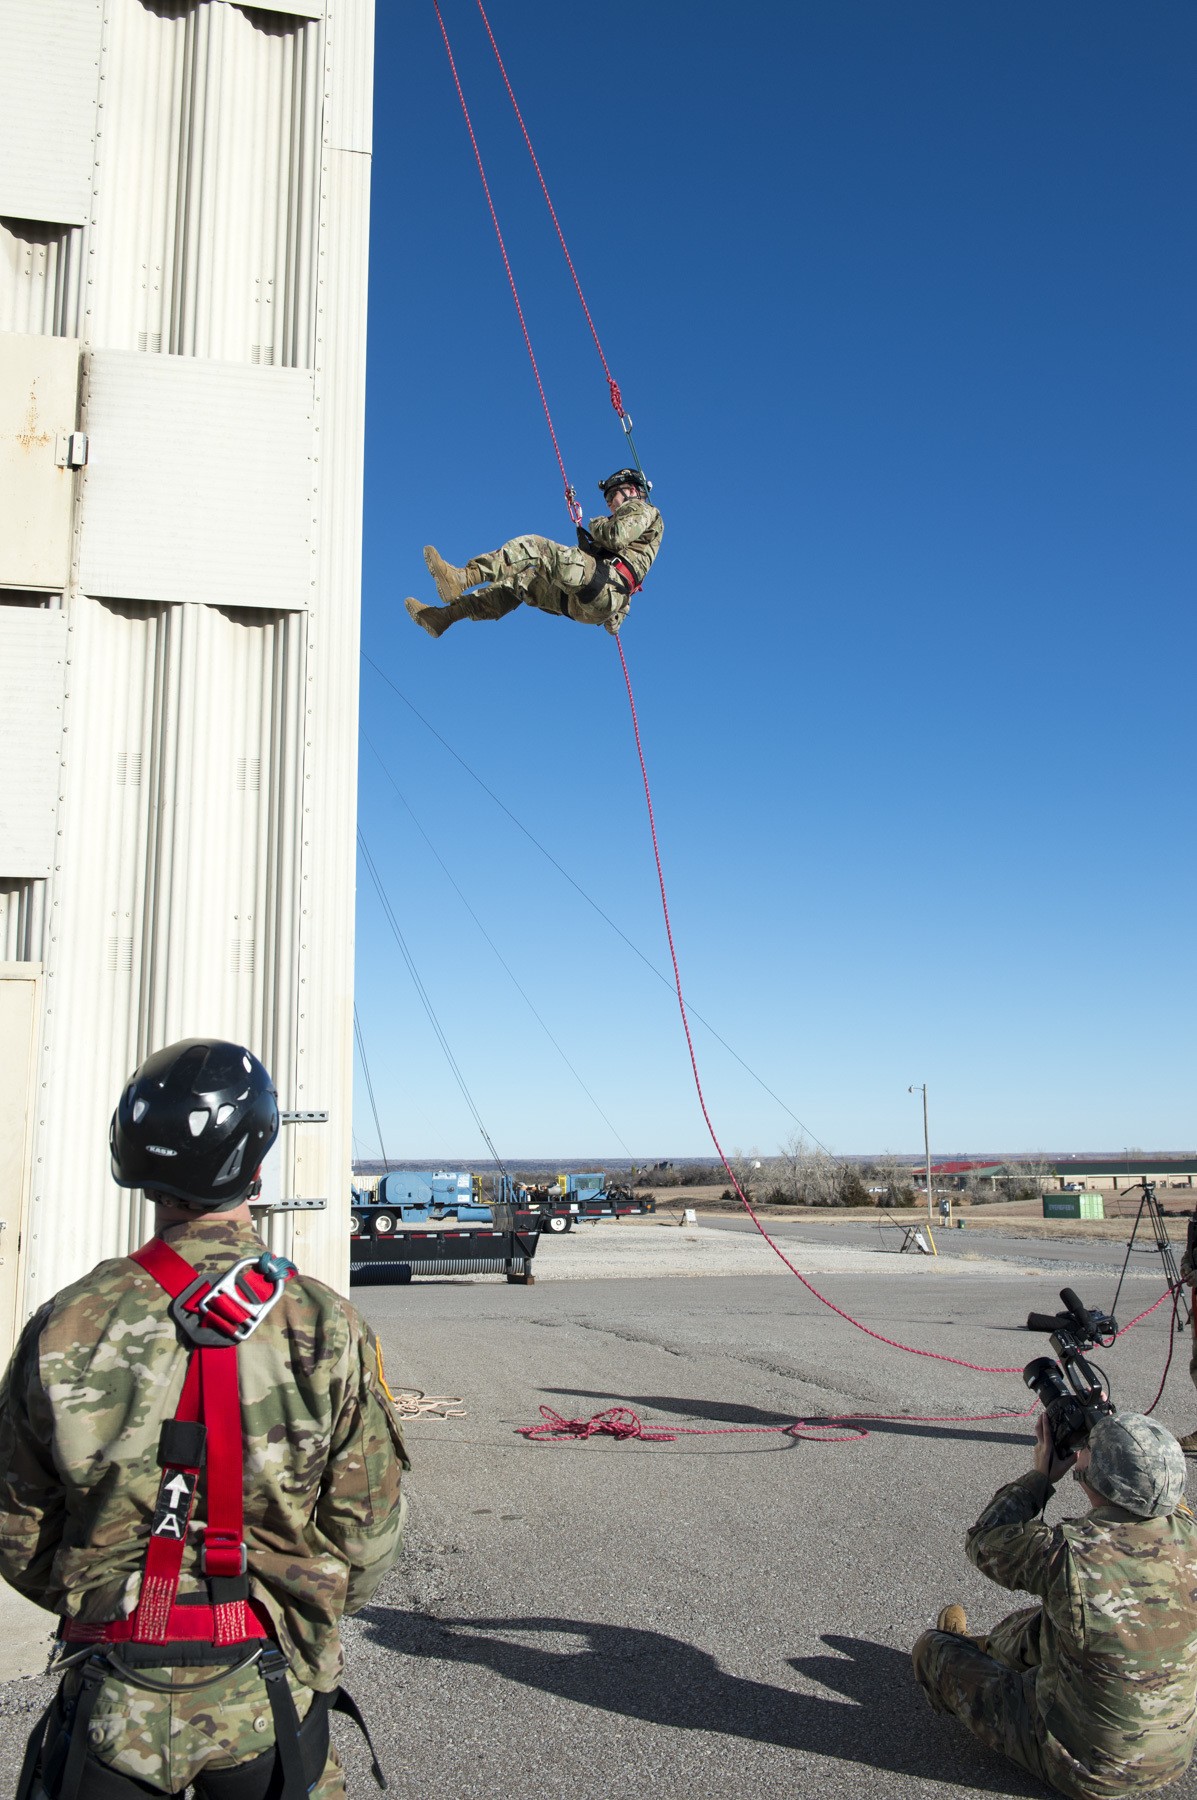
622,1423
575,511
894,1343
612,384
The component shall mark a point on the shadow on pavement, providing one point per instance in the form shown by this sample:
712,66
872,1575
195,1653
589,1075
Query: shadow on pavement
660,1680
720,1412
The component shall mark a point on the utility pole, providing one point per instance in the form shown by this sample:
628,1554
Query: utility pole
920,1087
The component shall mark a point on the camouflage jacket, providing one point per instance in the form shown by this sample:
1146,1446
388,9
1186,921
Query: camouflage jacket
97,1370
1117,1680
632,532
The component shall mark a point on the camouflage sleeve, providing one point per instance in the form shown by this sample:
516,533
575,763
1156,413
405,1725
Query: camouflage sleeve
1008,1543
361,1508
617,530
32,1499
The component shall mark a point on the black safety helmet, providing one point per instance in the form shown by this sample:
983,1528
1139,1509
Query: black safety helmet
195,1121
627,478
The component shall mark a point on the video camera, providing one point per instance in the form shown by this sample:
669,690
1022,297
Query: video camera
1073,1393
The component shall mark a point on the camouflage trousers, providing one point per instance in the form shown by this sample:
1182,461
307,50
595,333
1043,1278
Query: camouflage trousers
535,571
167,1740
992,1690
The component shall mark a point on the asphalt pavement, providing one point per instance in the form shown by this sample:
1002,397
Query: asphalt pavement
720,1615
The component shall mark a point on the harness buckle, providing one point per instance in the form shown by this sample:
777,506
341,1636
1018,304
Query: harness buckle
222,1300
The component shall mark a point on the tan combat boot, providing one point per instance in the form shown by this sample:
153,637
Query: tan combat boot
954,1619
1189,1444
434,619
451,583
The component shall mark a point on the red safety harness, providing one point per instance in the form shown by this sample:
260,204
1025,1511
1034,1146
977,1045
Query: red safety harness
206,1432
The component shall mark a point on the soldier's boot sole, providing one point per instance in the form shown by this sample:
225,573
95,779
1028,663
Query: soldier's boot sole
451,582
432,619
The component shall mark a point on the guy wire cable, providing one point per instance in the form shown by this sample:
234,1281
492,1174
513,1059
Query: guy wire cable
425,1001
498,953
361,1050
593,903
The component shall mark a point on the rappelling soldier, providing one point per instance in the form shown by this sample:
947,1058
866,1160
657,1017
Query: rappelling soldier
593,583
1093,1689
199,1472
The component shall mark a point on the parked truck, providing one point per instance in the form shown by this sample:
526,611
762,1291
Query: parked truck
418,1222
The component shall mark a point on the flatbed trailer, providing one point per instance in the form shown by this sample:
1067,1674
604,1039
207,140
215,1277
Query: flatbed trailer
575,1200
505,1246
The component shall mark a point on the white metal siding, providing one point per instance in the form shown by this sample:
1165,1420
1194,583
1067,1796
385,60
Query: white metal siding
179,910
39,277
46,125
208,159
199,484
39,396
203,877
32,659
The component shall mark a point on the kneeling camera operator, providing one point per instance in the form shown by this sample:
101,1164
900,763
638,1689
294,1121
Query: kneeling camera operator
1094,1689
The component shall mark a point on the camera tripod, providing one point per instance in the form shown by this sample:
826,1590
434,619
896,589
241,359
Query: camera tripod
1162,1244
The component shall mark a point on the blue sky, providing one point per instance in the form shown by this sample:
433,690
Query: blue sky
900,300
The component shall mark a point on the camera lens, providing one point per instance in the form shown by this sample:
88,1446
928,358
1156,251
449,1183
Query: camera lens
1045,1381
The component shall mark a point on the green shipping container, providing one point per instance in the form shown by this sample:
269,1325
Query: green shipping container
1073,1206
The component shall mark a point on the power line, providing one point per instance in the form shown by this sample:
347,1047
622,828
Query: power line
666,980
425,1001
361,1050
498,953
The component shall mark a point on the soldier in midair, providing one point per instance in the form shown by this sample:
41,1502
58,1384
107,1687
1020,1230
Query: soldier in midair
1093,1689
593,583
199,1472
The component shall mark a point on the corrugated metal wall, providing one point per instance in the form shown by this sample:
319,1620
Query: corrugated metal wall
204,878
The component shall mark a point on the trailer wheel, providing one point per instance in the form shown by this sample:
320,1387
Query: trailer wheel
559,1222
355,1225
384,1224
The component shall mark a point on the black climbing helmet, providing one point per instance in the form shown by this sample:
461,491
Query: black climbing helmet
627,478
194,1122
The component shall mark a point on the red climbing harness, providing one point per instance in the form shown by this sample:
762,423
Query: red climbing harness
205,1433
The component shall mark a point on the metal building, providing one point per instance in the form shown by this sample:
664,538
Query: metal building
184,192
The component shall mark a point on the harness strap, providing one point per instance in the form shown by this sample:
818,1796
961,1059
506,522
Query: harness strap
211,1392
273,1666
72,1775
33,1752
345,1703
605,568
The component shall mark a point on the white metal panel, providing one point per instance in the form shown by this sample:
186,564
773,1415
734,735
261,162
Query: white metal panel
299,9
39,277
19,1000
208,163
199,484
49,74
178,911
32,672
39,392
350,76
22,918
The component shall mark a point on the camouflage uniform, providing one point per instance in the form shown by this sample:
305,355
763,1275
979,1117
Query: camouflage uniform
94,1375
1093,1691
535,571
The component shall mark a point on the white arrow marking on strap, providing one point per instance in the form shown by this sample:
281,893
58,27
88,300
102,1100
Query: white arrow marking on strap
179,1488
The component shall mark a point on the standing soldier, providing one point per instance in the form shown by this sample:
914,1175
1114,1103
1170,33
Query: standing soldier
593,584
1092,1690
199,1471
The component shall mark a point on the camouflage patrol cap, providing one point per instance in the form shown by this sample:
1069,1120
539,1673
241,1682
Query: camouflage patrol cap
1136,1464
